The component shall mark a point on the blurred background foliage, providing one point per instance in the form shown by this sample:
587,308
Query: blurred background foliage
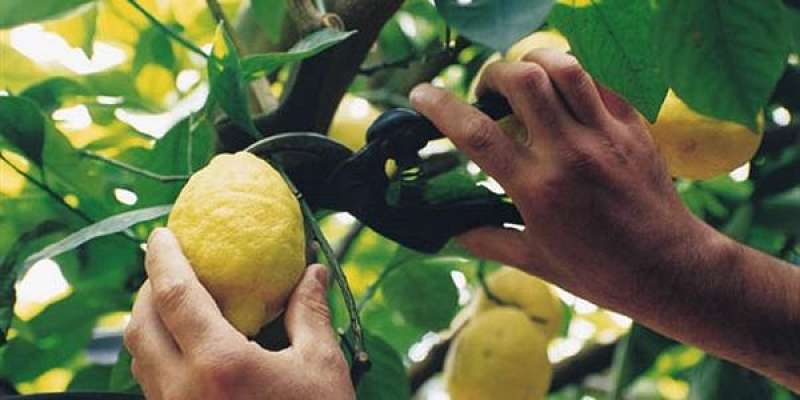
121,118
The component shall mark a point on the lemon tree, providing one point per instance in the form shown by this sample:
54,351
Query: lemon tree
120,116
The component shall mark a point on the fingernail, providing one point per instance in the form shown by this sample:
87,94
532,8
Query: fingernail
321,274
419,93
156,233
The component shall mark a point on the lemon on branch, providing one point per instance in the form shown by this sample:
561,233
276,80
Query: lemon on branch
241,228
499,354
350,123
694,146
530,294
700,147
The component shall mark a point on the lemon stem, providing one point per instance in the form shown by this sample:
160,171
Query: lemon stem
360,356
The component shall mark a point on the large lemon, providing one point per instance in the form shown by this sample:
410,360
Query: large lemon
699,147
537,40
500,354
241,228
350,123
530,294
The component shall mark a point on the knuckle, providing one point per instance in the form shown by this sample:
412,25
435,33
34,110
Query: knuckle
132,336
532,78
171,295
480,134
575,78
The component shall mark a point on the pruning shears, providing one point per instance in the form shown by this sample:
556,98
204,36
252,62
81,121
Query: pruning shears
330,176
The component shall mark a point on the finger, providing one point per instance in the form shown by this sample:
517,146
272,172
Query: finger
146,337
308,319
472,131
504,245
575,85
616,105
532,96
184,305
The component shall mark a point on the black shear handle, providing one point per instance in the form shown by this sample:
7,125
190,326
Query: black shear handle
400,134
406,131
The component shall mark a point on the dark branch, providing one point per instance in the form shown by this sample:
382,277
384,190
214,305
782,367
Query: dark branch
318,84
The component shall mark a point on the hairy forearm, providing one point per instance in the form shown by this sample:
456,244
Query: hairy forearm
731,301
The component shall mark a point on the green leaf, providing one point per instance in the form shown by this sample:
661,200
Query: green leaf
781,211
8,273
58,334
185,148
52,93
121,377
78,28
723,58
715,379
18,12
18,71
108,226
612,40
386,378
228,86
154,47
426,278
259,64
23,125
92,378
634,355
270,15
492,23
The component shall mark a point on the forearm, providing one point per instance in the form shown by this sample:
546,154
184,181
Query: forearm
732,301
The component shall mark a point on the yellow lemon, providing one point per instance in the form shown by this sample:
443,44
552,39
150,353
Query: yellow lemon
699,147
530,294
241,228
499,354
351,121
537,40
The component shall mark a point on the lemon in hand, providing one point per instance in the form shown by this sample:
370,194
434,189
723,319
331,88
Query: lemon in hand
499,354
530,294
241,228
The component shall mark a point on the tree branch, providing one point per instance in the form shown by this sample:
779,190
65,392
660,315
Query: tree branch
318,84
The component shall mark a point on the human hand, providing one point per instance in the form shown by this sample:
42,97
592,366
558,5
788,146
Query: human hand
587,179
183,348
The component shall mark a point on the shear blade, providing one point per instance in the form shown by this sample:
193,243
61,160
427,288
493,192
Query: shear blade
306,157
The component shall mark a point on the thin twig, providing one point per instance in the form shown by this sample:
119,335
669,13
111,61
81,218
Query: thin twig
50,192
360,356
220,17
175,35
404,62
134,169
60,199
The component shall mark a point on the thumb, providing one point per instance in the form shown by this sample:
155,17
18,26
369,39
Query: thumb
308,319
